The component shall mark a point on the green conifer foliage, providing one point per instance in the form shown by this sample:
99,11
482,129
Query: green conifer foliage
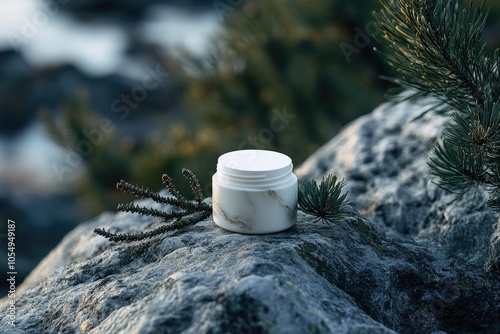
436,48
311,57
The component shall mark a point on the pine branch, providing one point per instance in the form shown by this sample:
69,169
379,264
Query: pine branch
479,128
442,28
459,169
436,50
323,201
142,193
189,214
131,207
130,237
435,46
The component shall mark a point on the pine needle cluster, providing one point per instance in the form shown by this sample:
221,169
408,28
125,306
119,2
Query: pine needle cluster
435,45
323,201
188,213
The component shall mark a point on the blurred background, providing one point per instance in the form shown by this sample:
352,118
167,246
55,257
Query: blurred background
94,91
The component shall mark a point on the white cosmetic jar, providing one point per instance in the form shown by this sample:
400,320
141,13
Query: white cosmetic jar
254,192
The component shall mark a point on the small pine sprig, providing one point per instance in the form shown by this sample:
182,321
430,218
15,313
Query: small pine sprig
190,212
323,201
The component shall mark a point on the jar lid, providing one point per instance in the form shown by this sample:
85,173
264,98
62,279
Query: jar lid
258,164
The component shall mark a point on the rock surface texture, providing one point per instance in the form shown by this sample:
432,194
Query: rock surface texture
383,158
412,263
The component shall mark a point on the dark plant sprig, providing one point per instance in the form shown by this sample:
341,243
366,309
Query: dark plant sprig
168,183
194,184
176,225
323,201
190,212
133,208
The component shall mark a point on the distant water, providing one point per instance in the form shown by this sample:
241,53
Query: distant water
173,28
46,36
28,160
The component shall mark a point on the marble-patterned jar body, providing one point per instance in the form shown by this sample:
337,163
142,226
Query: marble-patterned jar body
254,192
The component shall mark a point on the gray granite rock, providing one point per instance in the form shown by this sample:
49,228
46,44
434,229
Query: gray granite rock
312,278
383,158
